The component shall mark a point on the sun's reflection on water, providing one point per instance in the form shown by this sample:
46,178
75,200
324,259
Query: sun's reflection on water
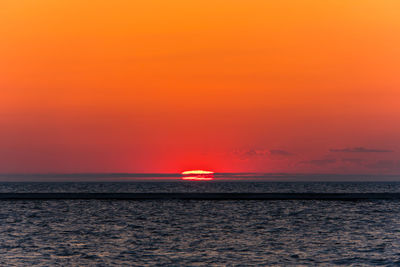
196,178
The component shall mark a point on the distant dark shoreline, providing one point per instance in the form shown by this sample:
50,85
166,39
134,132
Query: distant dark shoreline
201,196
176,177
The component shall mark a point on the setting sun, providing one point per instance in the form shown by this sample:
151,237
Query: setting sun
197,172
198,175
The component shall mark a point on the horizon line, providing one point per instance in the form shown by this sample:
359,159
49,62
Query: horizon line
179,173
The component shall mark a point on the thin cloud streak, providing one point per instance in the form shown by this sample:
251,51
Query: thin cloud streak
360,150
279,152
319,162
384,165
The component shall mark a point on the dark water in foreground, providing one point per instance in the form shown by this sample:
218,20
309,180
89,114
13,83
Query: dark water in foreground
192,233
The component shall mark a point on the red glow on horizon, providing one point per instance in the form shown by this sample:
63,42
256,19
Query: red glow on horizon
197,172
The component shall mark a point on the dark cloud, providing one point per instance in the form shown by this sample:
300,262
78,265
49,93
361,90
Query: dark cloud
319,162
251,153
360,150
279,152
353,160
384,164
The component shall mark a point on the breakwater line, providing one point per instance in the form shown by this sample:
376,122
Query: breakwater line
200,196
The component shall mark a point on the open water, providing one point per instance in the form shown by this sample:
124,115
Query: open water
199,233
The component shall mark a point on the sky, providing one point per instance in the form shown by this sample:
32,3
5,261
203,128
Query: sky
230,86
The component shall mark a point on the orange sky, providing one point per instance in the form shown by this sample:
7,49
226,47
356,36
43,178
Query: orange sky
164,86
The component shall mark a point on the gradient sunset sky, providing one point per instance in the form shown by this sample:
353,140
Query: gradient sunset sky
229,86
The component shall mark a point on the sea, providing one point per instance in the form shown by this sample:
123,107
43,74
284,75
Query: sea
199,232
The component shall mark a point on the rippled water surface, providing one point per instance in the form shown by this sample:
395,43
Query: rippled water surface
176,233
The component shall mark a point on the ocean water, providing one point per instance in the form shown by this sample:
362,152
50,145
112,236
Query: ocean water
199,233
